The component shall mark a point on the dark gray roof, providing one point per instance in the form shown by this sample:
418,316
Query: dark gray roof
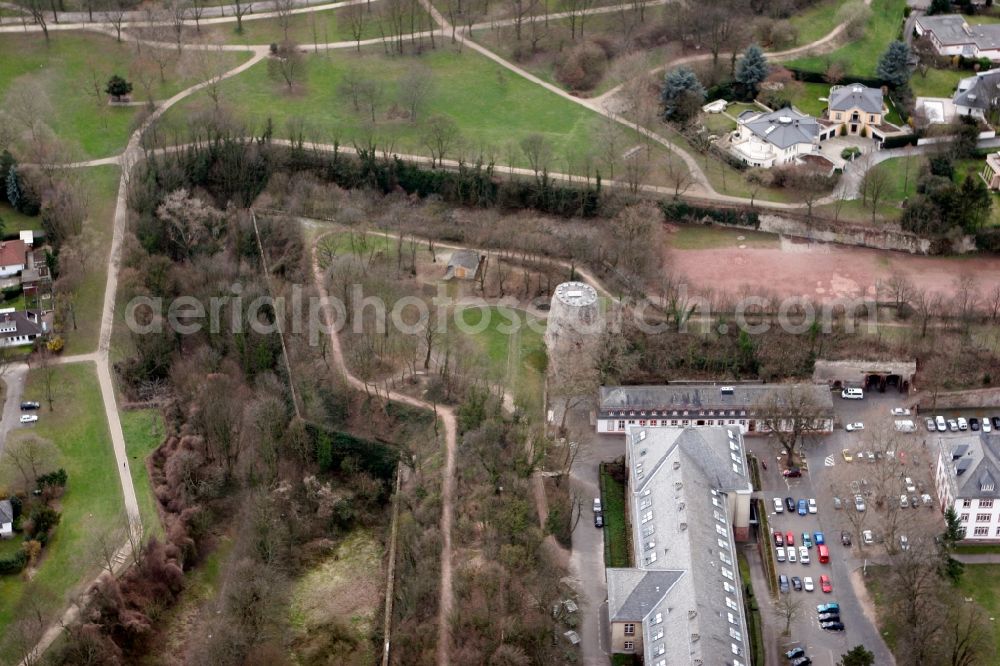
6,511
633,593
23,322
979,91
681,528
856,96
784,128
681,396
975,465
467,258
952,30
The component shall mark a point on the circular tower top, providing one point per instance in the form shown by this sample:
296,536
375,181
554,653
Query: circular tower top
576,294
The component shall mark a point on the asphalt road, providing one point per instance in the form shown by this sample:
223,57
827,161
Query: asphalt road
13,378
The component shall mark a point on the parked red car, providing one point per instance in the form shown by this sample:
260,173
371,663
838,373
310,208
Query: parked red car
790,539
779,540
824,583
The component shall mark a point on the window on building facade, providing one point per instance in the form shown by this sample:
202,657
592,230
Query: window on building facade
985,504
630,629
983,517
964,517
981,531
966,503
629,645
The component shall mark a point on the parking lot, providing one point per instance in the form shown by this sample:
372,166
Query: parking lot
825,477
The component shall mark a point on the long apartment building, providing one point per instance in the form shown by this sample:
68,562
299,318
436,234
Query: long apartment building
688,499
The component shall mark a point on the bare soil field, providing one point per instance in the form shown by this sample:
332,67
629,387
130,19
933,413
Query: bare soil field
818,271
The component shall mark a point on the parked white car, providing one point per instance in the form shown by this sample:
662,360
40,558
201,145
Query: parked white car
778,506
790,554
962,423
779,554
910,486
855,427
868,537
807,583
812,505
28,418
803,555
900,411
597,505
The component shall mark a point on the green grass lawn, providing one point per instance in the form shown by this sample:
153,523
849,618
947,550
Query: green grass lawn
493,108
93,498
861,57
704,237
332,25
14,221
616,538
816,21
807,98
517,357
65,71
717,123
981,582
936,82
144,431
102,188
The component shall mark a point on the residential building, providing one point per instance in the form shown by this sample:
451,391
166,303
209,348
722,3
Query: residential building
856,108
464,265
976,94
967,477
682,602
13,257
690,404
991,171
20,327
767,139
951,35
6,519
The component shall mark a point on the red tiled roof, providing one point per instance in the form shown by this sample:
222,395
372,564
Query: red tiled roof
12,252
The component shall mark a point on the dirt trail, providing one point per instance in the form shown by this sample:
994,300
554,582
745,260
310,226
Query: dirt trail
447,416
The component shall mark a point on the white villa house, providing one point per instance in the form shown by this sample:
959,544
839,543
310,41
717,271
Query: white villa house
976,94
771,138
951,35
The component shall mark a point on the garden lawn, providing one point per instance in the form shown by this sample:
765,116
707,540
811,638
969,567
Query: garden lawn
101,184
333,25
703,237
493,108
981,582
144,431
14,221
518,356
616,547
93,498
816,21
860,58
937,82
65,72
807,100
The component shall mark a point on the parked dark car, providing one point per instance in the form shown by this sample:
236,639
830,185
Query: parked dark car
802,661
795,653
598,520
832,616
832,626
845,538
792,473
28,405
790,504
783,583
974,423
797,583
996,422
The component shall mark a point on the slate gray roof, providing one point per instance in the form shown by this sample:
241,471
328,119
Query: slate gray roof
975,465
684,552
466,258
784,128
979,91
20,322
699,396
6,511
632,593
855,96
952,30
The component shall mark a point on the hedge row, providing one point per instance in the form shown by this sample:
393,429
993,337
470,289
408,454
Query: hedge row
736,217
14,563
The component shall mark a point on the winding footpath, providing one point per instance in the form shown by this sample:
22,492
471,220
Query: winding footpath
447,416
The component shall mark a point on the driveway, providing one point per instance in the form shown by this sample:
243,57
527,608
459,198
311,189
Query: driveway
587,557
13,378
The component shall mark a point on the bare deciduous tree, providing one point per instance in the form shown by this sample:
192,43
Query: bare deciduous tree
792,414
440,136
